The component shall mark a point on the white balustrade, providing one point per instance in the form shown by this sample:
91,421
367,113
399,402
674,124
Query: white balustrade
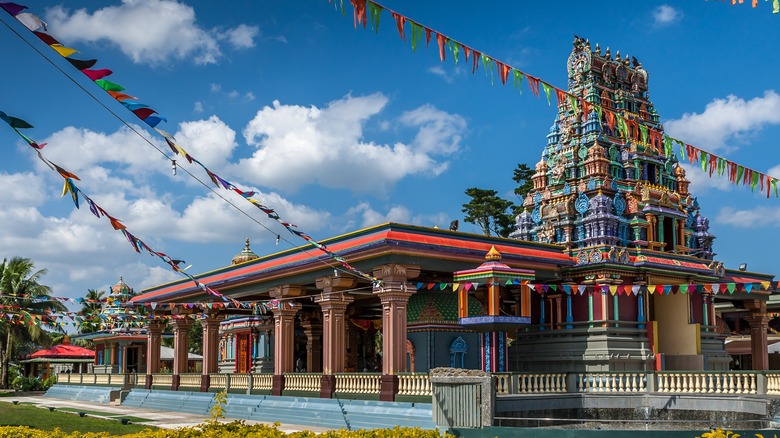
707,383
311,382
503,383
359,383
217,381
162,379
239,382
189,380
414,384
541,383
262,382
140,380
611,382
772,383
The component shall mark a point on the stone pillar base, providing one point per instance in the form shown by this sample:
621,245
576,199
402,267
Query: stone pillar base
328,386
149,381
205,382
175,382
388,387
277,387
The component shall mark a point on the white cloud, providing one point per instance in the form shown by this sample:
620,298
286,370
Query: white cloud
440,72
211,141
666,14
20,189
363,215
198,107
242,36
439,132
148,31
297,146
732,118
701,182
758,217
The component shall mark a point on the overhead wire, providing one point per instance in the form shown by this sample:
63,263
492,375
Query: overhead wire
132,128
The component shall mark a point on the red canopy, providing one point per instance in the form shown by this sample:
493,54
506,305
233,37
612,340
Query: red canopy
64,350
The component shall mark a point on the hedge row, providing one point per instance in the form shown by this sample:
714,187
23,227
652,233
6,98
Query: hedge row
234,429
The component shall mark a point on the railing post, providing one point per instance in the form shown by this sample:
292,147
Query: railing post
250,384
761,383
227,382
650,383
571,382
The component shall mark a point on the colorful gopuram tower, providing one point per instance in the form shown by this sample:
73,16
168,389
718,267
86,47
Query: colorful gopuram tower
610,190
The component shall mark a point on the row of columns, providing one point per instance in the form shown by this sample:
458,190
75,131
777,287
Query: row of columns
393,292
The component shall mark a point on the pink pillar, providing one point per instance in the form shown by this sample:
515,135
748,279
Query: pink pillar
759,323
210,348
334,307
181,330
393,293
154,328
284,333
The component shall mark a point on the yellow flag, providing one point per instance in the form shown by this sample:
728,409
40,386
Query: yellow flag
63,51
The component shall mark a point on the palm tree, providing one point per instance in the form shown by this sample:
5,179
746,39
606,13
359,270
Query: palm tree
19,285
90,311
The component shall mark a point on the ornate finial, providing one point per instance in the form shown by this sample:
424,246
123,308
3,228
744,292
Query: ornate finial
617,56
598,49
607,54
493,254
246,244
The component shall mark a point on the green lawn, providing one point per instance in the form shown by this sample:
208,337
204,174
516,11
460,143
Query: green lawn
41,418
107,415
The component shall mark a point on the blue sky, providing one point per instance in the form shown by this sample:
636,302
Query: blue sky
339,128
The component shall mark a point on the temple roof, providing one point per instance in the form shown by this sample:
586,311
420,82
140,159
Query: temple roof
64,350
245,255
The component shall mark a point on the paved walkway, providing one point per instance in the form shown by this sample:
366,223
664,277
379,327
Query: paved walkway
162,419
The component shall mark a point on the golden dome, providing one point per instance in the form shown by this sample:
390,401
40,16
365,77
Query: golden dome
245,255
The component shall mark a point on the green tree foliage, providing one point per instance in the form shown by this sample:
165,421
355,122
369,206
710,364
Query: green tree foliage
19,284
522,177
489,211
90,311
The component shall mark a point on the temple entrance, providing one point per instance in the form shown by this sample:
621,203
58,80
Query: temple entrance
677,337
243,354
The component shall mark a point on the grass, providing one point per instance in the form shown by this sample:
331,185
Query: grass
106,415
38,418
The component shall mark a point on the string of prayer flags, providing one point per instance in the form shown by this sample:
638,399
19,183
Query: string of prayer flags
775,4
629,127
612,289
152,118
70,187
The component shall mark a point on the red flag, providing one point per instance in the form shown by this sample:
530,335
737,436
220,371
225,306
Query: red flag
360,12
442,40
399,22
503,71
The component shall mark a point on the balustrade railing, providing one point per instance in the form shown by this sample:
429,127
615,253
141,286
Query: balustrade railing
189,381
416,384
217,381
239,382
710,383
540,383
612,382
772,383
162,379
310,382
262,382
358,383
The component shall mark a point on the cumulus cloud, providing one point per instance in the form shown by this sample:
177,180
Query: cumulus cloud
701,182
241,36
665,14
724,120
439,71
148,31
757,217
297,145
363,215
211,141
21,189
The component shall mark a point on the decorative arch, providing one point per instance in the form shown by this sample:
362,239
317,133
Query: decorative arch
458,350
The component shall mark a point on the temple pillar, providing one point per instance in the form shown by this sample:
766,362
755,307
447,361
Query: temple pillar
154,329
394,293
284,334
181,331
759,323
334,307
311,324
210,349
